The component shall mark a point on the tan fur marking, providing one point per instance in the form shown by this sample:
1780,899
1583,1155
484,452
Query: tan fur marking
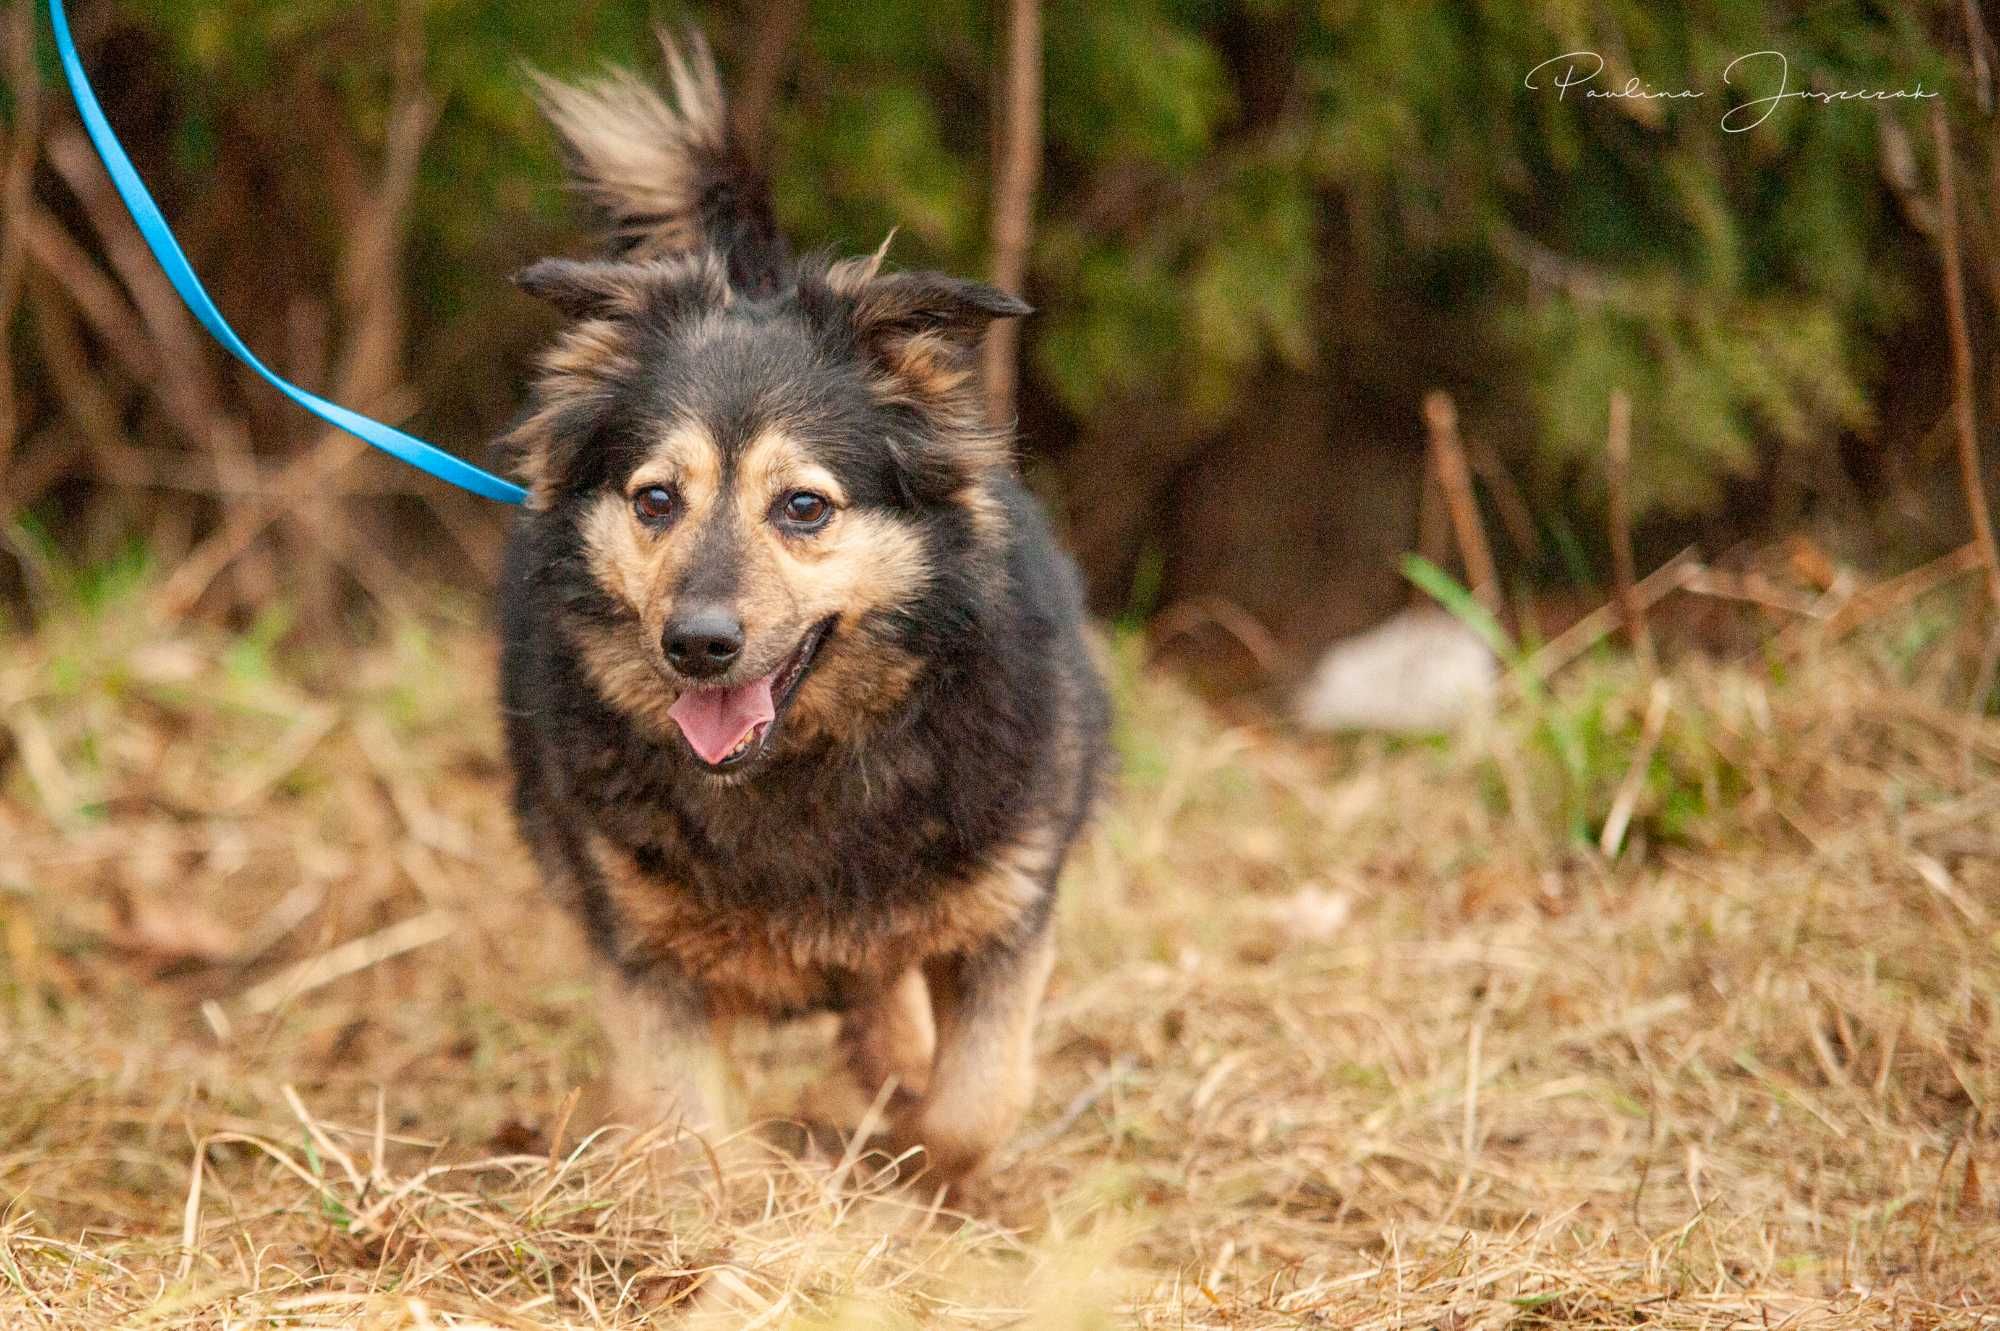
528,463
623,660
773,464
932,365
615,549
983,1075
854,682
687,460
913,372
752,960
989,521
594,349
862,563
584,359
622,665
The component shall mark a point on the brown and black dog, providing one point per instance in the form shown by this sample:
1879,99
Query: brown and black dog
797,693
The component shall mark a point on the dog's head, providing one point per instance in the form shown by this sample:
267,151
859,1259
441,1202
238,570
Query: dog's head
774,512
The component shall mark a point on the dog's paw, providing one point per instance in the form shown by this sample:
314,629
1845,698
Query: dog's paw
614,1102
958,1135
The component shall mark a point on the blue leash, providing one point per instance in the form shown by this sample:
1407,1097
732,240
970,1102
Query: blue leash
160,239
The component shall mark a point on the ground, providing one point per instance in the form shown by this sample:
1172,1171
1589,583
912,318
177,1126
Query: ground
1349,1033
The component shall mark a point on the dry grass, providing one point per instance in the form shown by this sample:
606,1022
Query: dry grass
1353,1035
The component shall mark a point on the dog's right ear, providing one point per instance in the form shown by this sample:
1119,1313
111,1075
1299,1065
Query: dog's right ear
583,288
618,288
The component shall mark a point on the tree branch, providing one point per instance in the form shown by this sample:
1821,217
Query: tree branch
1618,485
778,27
368,377
23,145
1017,170
187,380
1971,473
1461,504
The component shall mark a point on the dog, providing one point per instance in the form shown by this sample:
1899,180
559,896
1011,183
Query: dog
799,702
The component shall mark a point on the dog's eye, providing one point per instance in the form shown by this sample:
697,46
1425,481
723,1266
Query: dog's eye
805,510
655,503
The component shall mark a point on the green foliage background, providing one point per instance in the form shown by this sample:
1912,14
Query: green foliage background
1340,188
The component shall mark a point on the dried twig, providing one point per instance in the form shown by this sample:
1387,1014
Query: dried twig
1468,1129
1441,418
370,280
187,384
1073,1112
1624,576
1970,471
1187,615
191,1212
1872,603
22,145
193,576
1897,161
1612,839
1753,589
1017,169
356,955
48,454
1516,518
98,300
280,759
81,388
1433,527
1587,632
1980,43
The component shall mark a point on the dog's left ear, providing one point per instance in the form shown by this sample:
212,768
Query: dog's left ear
906,304
922,329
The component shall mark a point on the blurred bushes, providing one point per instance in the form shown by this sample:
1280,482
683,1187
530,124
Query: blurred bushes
1357,200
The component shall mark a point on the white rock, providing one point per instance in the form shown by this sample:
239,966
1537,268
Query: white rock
1418,672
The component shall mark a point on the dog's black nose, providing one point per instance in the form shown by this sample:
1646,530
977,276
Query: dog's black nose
703,642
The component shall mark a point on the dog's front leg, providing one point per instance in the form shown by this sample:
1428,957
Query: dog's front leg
664,1062
893,1037
983,1077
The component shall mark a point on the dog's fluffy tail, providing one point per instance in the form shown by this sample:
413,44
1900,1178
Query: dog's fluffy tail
671,176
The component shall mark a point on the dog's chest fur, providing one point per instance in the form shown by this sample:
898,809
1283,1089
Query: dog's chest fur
810,953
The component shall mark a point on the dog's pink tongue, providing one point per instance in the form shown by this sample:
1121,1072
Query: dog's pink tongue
716,720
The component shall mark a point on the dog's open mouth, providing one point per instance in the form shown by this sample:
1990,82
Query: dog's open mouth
728,726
